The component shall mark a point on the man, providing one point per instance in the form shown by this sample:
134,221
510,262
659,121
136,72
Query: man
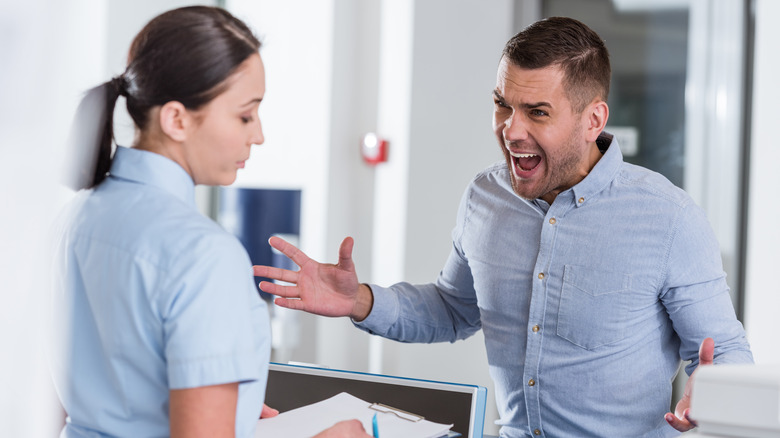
591,278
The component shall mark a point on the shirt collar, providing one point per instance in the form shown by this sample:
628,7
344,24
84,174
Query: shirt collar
602,173
154,170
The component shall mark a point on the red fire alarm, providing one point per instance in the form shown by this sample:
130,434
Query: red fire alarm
373,149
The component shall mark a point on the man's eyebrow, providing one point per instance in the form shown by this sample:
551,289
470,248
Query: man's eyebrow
498,96
536,105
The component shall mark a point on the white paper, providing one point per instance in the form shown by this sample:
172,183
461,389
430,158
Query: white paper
312,419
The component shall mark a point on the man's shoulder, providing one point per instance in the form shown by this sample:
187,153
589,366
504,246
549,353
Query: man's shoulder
496,173
652,184
493,181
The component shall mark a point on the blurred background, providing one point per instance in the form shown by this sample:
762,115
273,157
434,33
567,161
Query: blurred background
693,97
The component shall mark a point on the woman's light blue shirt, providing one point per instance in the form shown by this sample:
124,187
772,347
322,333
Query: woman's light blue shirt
150,296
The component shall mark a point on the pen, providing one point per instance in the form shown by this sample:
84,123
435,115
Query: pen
376,427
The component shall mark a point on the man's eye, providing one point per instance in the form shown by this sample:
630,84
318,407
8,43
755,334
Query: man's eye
500,103
538,112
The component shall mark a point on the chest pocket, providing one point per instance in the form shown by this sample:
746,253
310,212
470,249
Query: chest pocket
594,306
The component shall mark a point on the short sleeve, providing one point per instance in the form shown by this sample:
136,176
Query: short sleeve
215,324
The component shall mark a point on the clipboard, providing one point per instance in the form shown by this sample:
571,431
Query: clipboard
380,407
386,421
463,405
408,416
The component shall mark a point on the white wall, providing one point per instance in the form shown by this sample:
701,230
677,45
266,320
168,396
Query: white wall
454,54
44,69
762,288
351,183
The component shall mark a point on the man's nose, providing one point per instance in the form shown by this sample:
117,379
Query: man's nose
515,128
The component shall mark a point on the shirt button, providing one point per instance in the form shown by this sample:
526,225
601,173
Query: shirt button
552,221
581,200
531,382
537,432
535,328
541,276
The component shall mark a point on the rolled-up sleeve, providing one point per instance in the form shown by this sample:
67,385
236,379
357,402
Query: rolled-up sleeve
696,294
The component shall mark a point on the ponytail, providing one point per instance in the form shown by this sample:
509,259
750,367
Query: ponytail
186,54
92,134
114,88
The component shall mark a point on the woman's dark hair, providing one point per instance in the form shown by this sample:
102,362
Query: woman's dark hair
570,45
182,55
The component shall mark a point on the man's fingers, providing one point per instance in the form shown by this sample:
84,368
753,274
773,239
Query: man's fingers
261,271
279,290
275,273
345,253
679,424
671,419
706,352
290,303
687,416
290,250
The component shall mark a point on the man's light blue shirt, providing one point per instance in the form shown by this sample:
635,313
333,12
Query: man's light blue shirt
151,296
588,305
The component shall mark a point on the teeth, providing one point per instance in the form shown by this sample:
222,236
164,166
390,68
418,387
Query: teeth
522,155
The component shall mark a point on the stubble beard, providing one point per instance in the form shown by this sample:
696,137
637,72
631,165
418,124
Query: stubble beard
559,173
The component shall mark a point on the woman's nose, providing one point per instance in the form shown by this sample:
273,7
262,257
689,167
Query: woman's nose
257,134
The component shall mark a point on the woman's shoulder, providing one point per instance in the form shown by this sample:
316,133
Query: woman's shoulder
151,224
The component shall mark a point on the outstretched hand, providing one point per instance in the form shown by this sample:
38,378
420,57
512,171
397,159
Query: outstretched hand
322,289
681,419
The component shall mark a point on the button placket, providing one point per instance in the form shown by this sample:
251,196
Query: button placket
549,229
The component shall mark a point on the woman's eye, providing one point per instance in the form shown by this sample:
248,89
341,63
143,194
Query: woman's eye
246,119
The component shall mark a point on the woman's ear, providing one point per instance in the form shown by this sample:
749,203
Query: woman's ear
596,114
174,120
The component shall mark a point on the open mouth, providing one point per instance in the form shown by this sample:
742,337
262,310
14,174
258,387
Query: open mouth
525,162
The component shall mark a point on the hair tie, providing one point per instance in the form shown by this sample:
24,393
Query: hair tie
119,83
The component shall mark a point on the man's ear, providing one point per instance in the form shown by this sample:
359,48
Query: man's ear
596,115
175,120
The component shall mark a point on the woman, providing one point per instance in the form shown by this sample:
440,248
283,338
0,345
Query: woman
164,331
